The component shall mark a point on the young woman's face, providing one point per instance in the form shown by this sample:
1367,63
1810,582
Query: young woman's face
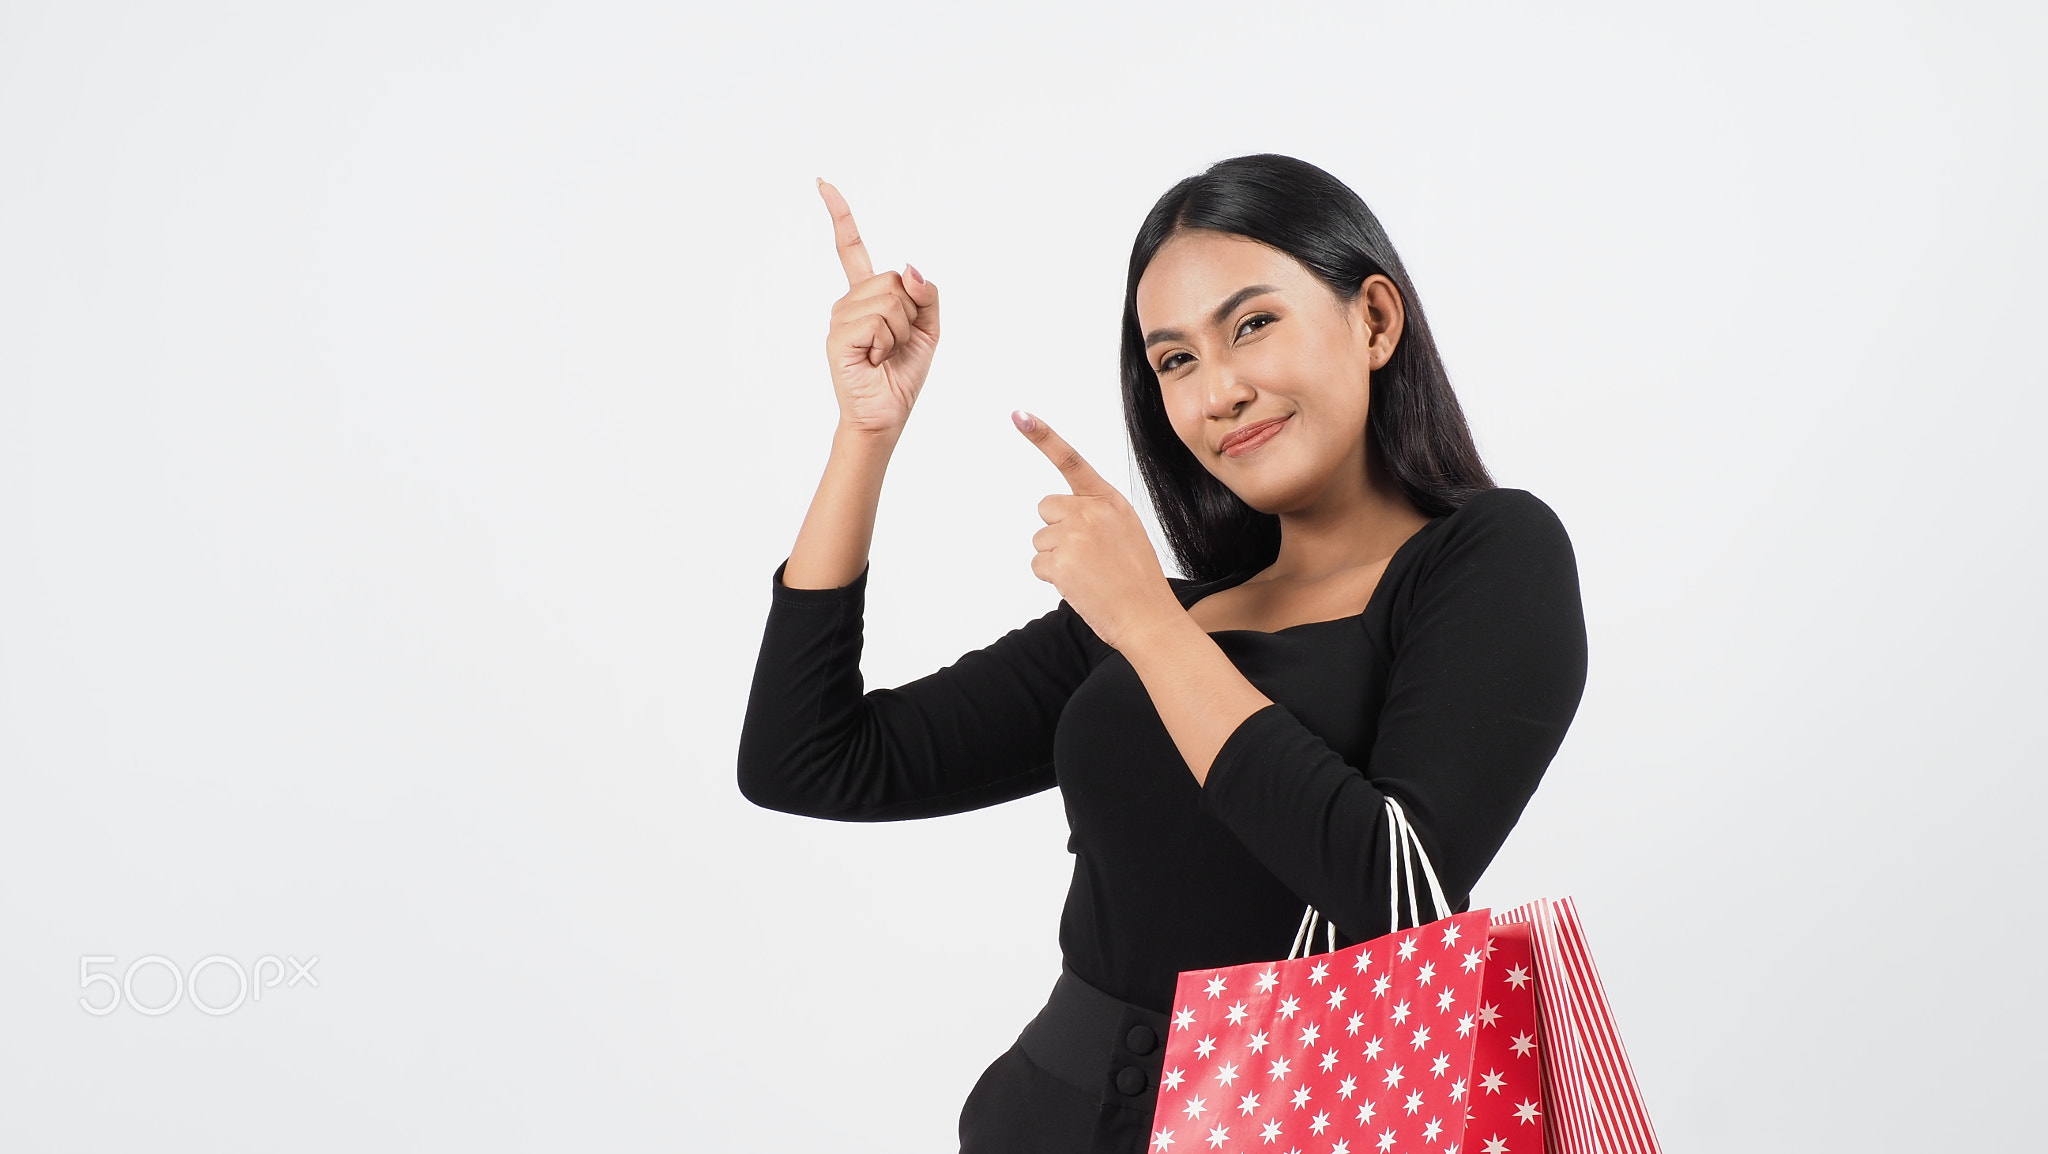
1264,370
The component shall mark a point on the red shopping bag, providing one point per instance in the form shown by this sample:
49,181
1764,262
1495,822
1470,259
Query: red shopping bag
1486,1034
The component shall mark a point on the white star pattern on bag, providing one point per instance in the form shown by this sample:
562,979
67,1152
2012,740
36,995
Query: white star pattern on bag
1432,989
1495,1145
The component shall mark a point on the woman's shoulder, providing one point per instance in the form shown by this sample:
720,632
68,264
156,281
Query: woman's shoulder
1504,515
1496,527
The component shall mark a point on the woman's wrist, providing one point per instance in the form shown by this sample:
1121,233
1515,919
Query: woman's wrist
865,442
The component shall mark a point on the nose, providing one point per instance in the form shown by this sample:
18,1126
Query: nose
1224,392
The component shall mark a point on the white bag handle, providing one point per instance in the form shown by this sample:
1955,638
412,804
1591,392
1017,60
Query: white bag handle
1401,841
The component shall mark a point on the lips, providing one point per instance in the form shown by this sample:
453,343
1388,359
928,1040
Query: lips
1243,440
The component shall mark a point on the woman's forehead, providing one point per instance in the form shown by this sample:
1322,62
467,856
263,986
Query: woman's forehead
1197,268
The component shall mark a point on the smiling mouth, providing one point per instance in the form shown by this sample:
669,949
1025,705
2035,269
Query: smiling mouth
1242,441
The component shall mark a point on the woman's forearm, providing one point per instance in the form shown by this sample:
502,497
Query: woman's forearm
832,546
1201,696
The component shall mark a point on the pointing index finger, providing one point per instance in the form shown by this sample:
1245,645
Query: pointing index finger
853,255
1081,476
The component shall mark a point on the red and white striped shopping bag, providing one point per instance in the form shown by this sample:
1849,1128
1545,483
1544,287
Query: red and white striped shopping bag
1592,1105
1484,1033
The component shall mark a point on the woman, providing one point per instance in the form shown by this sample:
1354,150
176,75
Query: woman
1364,615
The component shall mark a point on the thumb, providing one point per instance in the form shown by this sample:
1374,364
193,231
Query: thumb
1080,475
925,295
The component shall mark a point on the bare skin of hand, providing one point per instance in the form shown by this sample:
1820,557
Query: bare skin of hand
883,332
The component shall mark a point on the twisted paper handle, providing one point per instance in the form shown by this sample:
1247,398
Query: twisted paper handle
1401,841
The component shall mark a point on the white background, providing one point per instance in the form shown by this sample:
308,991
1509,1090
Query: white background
402,410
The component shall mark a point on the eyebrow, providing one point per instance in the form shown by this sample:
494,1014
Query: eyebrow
1221,314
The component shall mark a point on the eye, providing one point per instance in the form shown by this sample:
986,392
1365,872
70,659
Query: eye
1254,323
1173,361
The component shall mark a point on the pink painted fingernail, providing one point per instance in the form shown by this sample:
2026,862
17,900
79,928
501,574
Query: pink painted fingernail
911,270
1023,420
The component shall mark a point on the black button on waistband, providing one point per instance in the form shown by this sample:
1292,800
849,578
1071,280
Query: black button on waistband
1130,1079
1141,1039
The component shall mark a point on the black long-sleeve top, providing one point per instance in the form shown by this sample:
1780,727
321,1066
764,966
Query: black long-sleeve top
1451,692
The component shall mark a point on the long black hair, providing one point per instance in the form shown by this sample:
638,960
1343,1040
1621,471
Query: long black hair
1414,420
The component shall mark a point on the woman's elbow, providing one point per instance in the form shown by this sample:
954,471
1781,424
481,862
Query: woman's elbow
760,782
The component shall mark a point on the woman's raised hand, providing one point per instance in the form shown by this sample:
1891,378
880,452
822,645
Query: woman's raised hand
884,332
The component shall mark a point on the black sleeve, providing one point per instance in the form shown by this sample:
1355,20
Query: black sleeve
972,734
1489,661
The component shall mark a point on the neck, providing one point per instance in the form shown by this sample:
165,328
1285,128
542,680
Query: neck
1348,526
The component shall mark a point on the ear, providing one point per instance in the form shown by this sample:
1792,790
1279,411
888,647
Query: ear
1381,311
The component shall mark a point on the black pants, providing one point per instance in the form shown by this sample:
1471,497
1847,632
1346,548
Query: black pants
1081,1079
